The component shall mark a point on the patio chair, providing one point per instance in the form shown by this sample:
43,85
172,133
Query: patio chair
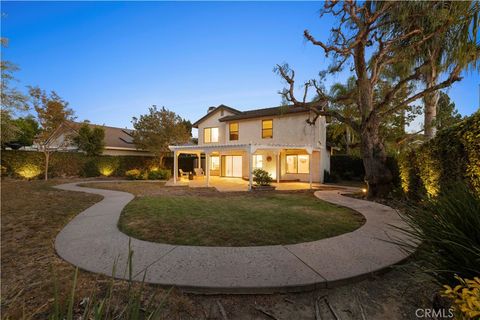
199,172
183,173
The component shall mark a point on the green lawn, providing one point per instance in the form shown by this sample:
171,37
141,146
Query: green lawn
235,219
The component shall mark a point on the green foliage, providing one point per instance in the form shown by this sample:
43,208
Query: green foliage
28,129
89,140
329,177
347,167
72,164
453,155
158,129
159,174
51,111
262,177
133,174
107,166
9,130
447,114
447,227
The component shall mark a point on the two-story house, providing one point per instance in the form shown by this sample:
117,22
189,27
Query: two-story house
278,140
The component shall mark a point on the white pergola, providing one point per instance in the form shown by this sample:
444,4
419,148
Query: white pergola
249,148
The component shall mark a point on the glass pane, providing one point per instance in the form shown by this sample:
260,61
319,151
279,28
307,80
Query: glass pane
214,134
267,133
267,124
258,161
207,135
215,163
233,126
233,135
303,163
292,164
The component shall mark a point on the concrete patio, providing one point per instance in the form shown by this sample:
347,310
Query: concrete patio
224,184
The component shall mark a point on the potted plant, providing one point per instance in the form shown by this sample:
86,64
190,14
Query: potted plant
262,180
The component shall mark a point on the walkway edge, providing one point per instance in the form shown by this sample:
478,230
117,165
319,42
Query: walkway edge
93,242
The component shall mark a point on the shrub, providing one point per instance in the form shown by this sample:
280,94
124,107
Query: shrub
133,174
465,298
329,177
159,174
262,177
447,227
347,167
28,171
452,156
107,166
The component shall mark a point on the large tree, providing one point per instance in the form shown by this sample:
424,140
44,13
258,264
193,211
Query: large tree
456,45
12,100
52,111
447,113
158,129
367,40
91,141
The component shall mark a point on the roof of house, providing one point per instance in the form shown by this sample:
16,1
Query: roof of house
114,137
265,112
211,111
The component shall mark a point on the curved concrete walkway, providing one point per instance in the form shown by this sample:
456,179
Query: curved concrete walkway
93,242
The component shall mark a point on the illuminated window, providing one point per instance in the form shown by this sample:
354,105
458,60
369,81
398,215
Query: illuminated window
267,129
233,128
214,163
257,161
298,163
210,135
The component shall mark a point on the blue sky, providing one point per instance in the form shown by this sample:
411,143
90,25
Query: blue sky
112,60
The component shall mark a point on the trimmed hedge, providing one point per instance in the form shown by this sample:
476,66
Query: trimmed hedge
348,167
452,156
30,164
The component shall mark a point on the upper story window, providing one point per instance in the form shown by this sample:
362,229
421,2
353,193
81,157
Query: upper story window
298,163
267,129
210,135
233,129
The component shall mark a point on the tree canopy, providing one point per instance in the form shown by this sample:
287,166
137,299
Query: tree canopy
158,129
91,141
371,39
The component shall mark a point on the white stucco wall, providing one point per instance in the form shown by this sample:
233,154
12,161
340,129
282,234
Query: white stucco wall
212,121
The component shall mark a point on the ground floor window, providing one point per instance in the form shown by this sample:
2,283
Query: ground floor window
214,163
257,161
298,163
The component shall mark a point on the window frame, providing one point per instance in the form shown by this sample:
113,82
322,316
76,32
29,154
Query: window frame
234,131
296,156
255,161
266,129
210,134
211,163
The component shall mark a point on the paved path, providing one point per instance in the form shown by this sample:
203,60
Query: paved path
93,242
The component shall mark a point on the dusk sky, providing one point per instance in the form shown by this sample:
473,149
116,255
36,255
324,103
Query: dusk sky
112,60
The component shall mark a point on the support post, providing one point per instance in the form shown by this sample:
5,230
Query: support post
175,167
277,163
310,169
250,168
199,164
207,169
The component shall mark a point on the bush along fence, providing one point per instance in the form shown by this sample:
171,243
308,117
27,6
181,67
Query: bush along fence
452,156
30,165
347,167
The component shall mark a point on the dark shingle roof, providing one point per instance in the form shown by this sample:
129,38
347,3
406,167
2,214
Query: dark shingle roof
222,106
114,137
265,112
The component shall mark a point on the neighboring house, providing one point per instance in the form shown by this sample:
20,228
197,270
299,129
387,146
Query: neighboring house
118,141
278,140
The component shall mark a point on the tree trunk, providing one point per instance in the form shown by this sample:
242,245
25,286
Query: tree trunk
47,158
377,175
430,101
